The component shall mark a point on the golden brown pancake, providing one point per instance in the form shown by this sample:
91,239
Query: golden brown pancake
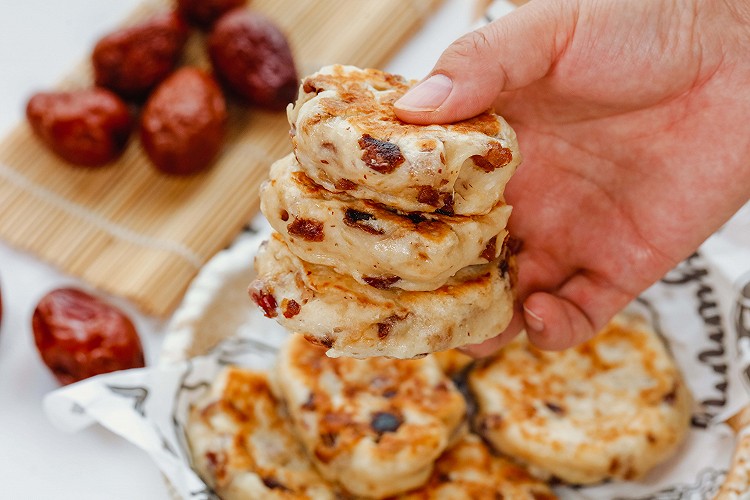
243,446
351,319
468,470
347,138
371,242
374,426
613,407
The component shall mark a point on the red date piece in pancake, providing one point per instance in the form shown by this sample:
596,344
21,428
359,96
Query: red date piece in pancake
79,336
382,156
307,229
496,157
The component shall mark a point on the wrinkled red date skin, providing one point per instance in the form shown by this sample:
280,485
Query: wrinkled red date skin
87,127
252,58
184,122
203,13
133,60
79,336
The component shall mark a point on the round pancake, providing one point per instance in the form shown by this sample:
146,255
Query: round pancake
243,446
374,426
367,241
613,407
468,470
351,319
347,138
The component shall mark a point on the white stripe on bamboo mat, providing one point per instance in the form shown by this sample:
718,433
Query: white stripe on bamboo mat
116,230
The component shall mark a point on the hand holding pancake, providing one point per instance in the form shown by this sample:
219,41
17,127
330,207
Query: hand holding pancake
632,120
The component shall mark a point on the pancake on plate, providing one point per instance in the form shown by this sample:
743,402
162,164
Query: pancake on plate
613,407
468,470
374,426
243,446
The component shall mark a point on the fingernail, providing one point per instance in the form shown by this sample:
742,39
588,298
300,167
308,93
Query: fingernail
427,95
533,321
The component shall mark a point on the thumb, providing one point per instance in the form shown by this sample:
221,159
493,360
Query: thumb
507,54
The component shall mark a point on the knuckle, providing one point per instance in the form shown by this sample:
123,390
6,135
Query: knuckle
472,44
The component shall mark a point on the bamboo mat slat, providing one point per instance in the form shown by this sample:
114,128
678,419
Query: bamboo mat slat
131,231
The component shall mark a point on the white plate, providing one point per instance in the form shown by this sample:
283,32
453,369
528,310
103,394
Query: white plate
217,305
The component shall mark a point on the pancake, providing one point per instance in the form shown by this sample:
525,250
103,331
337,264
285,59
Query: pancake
613,407
347,138
374,426
468,470
243,446
370,242
351,319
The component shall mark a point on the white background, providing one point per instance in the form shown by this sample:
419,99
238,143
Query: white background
41,40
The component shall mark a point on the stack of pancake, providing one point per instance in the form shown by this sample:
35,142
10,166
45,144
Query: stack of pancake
390,237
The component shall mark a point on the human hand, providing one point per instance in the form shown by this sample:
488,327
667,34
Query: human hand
632,118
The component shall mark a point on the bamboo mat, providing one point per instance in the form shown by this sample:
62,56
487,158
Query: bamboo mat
131,231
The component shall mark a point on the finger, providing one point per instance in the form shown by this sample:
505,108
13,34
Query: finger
484,349
554,323
508,53
574,313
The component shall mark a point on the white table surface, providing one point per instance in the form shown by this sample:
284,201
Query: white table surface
40,40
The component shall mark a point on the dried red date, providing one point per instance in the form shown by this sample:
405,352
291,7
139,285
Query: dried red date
381,156
133,60
361,220
252,58
381,282
428,195
265,300
87,127
79,336
291,308
496,157
307,229
203,13
184,121
490,250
